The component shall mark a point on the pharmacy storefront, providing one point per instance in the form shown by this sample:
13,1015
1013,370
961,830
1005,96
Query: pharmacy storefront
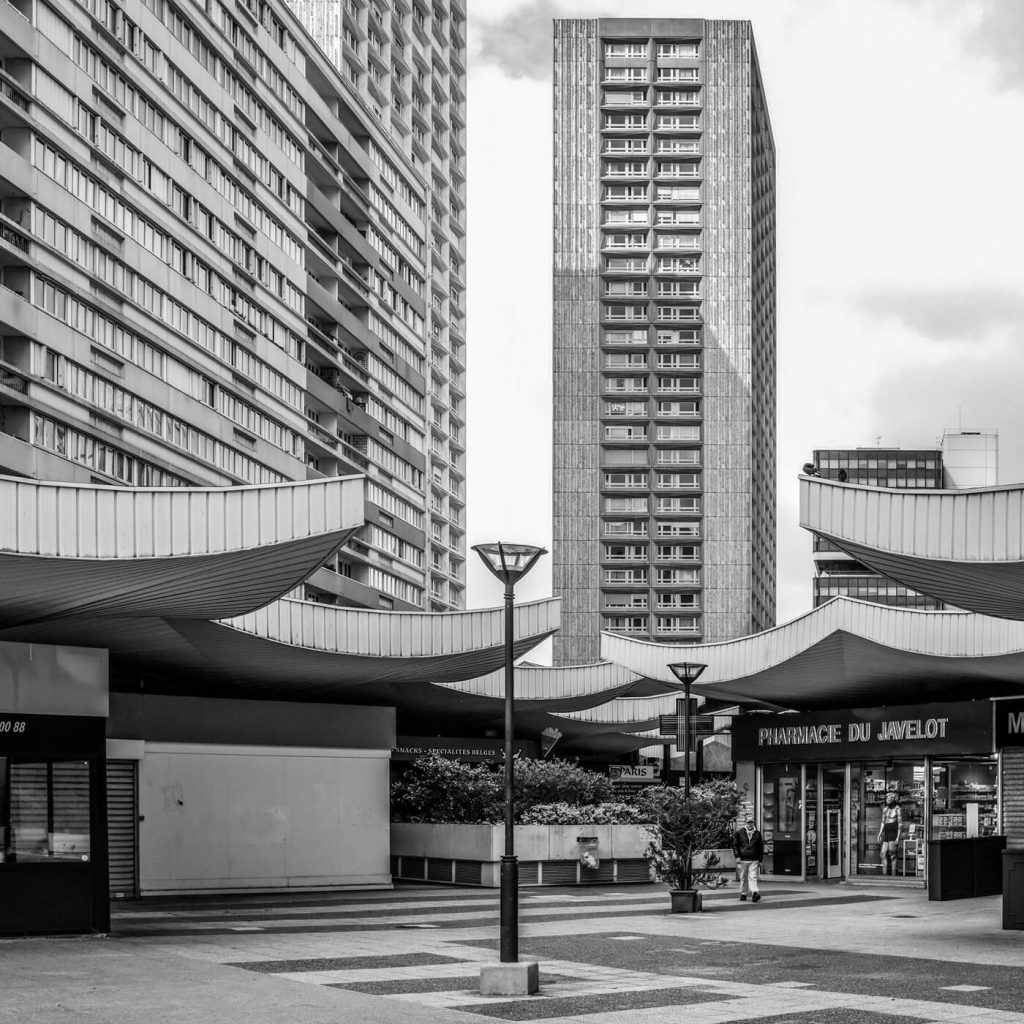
859,792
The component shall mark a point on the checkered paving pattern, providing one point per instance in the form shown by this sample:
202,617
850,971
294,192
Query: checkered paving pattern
372,945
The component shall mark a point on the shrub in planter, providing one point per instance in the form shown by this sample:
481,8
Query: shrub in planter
437,789
683,826
583,814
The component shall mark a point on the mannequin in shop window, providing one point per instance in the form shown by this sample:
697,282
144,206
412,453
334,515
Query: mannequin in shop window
889,833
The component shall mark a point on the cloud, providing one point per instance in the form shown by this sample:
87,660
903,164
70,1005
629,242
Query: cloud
998,34
969,314
519,43
990,29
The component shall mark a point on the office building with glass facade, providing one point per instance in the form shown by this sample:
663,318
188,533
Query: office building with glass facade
964,459
664,333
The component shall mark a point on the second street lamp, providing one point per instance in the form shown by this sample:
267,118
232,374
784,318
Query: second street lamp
510,563
687,672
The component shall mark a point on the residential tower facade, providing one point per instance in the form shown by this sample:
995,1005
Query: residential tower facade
664,333
221,263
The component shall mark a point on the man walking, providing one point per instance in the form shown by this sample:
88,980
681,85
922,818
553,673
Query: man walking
748,845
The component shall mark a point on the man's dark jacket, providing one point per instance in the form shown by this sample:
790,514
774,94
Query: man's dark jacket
748,846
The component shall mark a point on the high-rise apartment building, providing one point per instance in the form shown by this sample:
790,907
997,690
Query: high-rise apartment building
965,458
226,258
664,333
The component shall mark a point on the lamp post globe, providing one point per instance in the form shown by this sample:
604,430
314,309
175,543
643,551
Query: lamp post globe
509,563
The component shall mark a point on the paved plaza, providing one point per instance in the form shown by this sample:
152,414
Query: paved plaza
608,955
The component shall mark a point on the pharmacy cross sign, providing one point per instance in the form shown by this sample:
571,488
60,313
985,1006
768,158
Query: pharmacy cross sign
675,725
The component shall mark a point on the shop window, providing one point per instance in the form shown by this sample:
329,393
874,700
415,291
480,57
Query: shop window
44,811
871,784
964,799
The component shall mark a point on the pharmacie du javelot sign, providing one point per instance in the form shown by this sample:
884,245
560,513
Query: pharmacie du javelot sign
964,727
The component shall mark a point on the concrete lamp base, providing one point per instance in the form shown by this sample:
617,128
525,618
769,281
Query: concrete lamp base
509,979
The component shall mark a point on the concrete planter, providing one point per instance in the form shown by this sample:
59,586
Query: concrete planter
686,901
548,854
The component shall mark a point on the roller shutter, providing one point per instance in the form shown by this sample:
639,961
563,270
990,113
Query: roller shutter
122,829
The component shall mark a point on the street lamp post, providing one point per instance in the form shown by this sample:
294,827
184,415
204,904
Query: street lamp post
687,672
510,563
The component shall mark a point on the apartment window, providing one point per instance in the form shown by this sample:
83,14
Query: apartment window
618,121
624,528
677,553
677,336
626,337
625,74
625,552
627,600
624,481
625,289
678,122
625,408
685,313
624,168
677,74
683,240
677,624
626,216
625,146
684,408
675,505
616,312
678,432
678,168
633,192
679,457
625,49
633,385
678,265
627,623
678,601
625,97
634,577
686,146
683,218
680,384
624,457
625,360
679,529
625,264
678,290
624,433
678,361
685,48
678,98
680,577
679,481
632,240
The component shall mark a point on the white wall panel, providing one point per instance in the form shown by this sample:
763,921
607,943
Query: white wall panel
261,818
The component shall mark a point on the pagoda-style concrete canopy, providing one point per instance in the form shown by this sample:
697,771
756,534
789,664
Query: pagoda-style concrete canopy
184,587
200,553
846,653
965,548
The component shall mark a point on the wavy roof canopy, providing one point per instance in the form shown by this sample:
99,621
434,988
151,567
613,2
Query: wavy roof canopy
79,549
965,548
846,653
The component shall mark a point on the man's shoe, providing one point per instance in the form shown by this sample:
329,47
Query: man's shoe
755,897
742,898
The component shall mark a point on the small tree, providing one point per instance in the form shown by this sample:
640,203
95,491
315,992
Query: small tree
684,826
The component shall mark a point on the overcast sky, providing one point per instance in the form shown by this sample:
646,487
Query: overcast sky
899,136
